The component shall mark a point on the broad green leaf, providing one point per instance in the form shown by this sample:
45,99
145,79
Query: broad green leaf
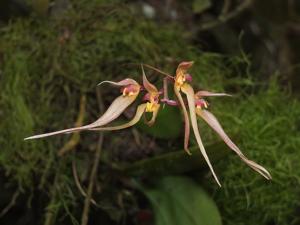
181,201
176,162
168,124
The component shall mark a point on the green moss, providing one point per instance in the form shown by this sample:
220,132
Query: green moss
44,75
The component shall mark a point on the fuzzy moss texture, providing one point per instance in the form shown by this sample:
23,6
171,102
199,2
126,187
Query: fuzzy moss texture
47,64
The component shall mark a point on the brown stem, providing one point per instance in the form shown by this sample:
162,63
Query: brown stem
77,182
11,203
87,201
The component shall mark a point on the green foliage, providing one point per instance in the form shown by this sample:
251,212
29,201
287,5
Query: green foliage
179,200
41,72
168,124
48,64
269,134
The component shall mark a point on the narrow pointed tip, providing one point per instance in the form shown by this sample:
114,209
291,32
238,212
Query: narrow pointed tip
216,178
268,176
31,137
100,83
187,151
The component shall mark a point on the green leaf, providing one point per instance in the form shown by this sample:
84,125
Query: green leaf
166,125
176,162
180,200
201,5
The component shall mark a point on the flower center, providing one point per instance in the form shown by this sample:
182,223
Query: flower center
130,90
181,78
200,103
151,106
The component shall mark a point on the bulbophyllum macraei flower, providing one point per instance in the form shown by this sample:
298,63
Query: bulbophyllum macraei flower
212,121
130,90
181,85
151,106
196,103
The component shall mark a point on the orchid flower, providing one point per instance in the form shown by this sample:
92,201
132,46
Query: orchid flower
212,121
195,103
130,90
152,106
181,85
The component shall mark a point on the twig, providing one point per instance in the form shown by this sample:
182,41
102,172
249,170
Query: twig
153,68
11,203
71,144
53,194
77,182
223,18
87,202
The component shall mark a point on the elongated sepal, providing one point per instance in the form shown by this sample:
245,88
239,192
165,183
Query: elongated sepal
216,126
200,94
188,90
117,107
186,120
147,85
139,112
125,82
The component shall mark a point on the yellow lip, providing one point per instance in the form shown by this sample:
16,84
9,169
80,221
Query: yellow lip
151,106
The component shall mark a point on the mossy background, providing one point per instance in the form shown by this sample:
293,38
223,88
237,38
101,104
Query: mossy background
50,58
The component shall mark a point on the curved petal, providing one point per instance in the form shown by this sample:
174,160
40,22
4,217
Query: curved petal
125,82
139,112
117,107
188,90
169,102
209,94
215,125
184,66
186,121
154,115
147,85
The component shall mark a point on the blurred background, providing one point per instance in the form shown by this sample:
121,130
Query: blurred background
53,53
